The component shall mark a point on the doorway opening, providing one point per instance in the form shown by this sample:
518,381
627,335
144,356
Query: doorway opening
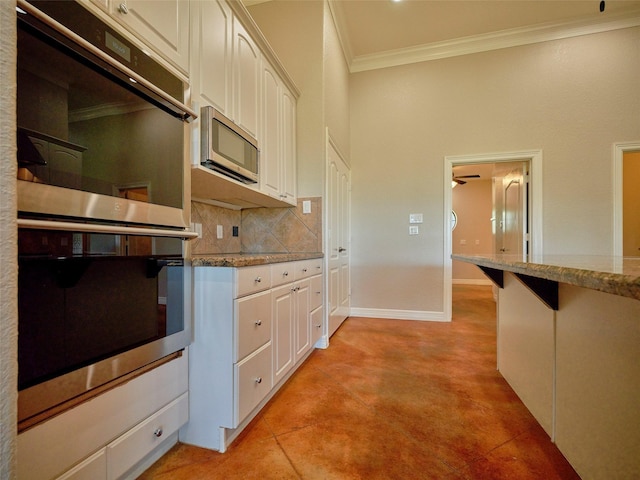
508,219
626,222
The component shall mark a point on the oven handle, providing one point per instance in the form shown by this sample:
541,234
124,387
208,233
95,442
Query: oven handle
187,113
97,228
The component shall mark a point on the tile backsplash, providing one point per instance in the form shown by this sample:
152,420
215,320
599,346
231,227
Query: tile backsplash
261,230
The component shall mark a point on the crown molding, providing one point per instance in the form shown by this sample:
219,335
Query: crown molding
485,42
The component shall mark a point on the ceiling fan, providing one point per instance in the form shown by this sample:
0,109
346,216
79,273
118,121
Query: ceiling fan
457,178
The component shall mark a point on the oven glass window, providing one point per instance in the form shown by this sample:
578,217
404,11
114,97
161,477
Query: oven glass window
79,129
86,297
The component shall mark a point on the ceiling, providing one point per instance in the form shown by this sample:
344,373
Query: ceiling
381,33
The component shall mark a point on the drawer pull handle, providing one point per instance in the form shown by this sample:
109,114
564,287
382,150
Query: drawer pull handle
318,267
158,432
122,8
259,380
258,279
318,293
258,322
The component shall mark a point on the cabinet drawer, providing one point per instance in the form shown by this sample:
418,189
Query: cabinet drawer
316,293
282,273
253,323
93,468
125,452
252,381
307,268
252,280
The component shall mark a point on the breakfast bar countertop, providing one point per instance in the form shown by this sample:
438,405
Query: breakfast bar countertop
249,259
615,275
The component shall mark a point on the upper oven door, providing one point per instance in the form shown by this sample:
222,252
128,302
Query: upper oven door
96,138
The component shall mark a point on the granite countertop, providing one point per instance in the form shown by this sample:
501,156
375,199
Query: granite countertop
249,259
615,275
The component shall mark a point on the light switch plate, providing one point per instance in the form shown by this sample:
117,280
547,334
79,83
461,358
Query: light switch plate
219,233
414,230
306,206
415,218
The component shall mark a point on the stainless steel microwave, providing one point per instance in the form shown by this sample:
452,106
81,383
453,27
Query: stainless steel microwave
227,148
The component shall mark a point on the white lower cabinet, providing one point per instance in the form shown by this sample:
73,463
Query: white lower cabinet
115,435
252,326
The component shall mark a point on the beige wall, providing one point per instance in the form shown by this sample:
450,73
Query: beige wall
8,245
336,87
473,233
571,98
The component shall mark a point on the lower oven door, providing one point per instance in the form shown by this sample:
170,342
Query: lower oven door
94,307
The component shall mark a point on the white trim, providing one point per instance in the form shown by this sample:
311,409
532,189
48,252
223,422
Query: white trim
421,315
619,150
535,182
471,281
485,42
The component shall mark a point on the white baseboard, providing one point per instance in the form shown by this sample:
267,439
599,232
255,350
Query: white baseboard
471,281
398,314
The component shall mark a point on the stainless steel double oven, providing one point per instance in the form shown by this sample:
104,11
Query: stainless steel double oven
103,283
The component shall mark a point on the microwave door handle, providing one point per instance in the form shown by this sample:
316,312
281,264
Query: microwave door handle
186,113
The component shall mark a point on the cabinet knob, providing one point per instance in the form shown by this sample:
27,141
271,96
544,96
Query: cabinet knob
304,270
158,432
258,322
122,8
285,274
259,380
258,279
318,325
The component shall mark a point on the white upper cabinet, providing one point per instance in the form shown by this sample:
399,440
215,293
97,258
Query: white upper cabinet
234,69
288,154
162,24
277,138
246,79
213,26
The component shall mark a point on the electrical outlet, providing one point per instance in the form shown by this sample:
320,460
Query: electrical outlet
414,230
306,206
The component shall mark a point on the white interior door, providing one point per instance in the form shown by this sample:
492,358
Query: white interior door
514,213
338,238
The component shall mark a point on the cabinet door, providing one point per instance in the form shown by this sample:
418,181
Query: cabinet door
288,150
246,80
214,23
316,325
301,319
282,337
270,161
163,24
